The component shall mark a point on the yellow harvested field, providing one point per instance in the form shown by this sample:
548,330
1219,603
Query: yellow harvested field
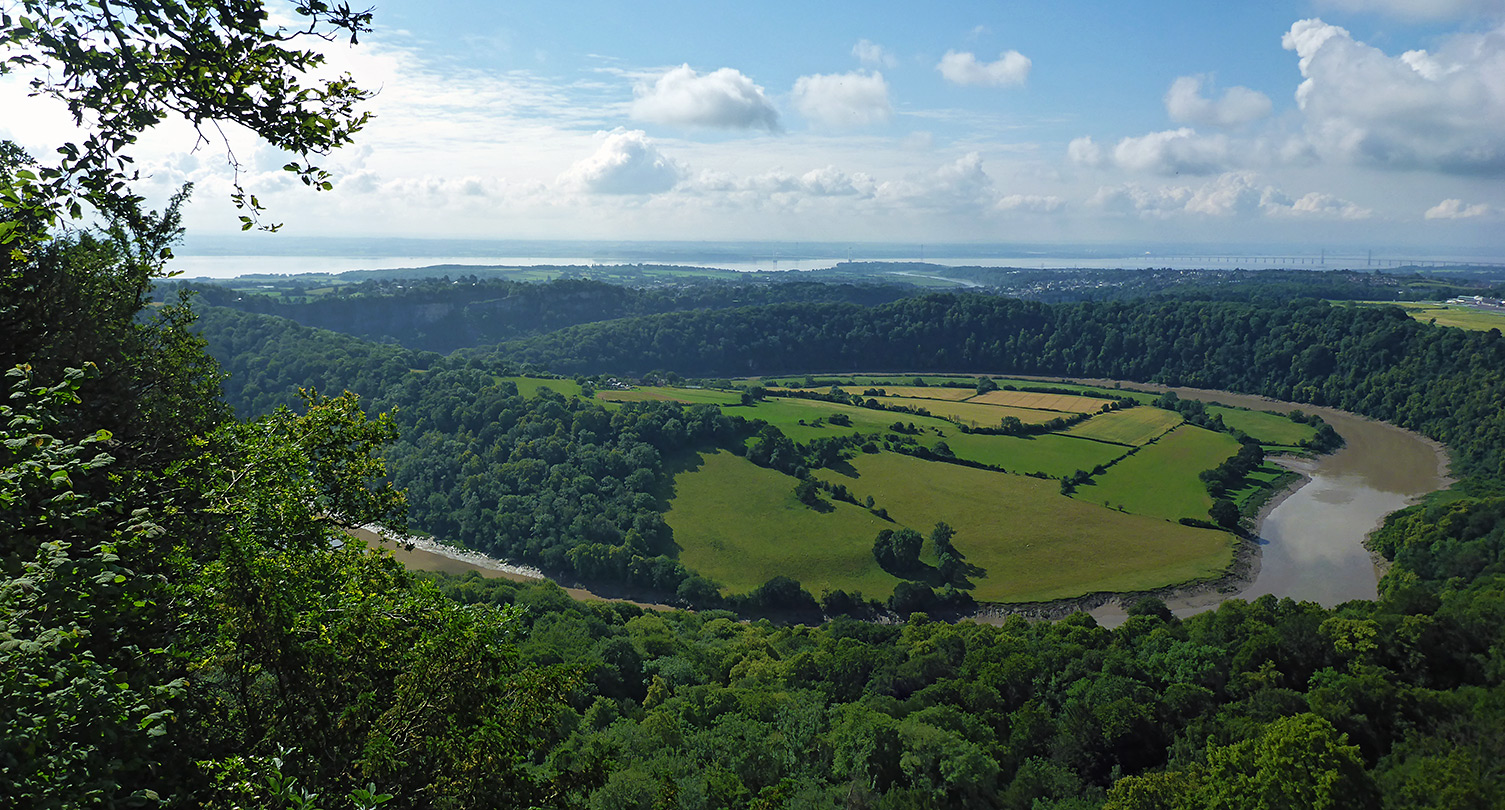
971,413
1135,426
916,391
1049,402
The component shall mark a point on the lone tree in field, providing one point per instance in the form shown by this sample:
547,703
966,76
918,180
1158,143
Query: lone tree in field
898,552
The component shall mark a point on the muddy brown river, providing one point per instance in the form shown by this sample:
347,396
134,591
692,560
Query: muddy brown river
1312,541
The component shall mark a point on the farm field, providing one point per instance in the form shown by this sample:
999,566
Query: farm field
1142,483
915,392
530,386
786,413
1260,482
740,525
1049,453
972,413
1033,543
1064,403
1268,428
689,396
1472,318
1135,426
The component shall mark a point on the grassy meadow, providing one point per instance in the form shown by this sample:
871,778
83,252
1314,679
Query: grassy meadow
1033,543
1161,479
740,525
1267,428
1134,427
1463,317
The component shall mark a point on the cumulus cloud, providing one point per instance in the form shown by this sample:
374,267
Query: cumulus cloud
1455,209
873,55
843,100
1326,205
626,163
1442,110
1230,195
1185,103
964,68
1423,9
723,99
1084,151
960,185
1177,151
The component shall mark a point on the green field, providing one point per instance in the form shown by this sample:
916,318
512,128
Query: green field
1259,483
971,413
915,392
1135,426
689,396
787,413
1463,317
1161,479
529,386
740,525
1049,453
1033,543
1267,428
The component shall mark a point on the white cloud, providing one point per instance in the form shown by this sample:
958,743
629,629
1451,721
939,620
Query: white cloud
1230,195
1422,9
1326,205
1031,203
1084,151
1185,103
964,68
1177,151
626,163
723,99
844,100
1455,209
960,185
873,55
1442,110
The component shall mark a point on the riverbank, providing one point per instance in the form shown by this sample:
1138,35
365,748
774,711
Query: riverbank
425,554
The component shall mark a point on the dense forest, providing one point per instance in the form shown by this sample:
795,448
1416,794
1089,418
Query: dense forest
185,621
441,315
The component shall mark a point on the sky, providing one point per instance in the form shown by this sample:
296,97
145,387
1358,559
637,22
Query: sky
1309,124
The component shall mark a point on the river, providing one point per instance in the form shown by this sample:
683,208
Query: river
1311,544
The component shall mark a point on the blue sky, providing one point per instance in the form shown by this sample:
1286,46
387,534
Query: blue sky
1326,122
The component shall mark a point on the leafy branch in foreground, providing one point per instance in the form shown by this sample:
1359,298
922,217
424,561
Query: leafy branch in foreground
124,66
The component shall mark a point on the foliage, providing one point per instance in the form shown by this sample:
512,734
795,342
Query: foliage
124,67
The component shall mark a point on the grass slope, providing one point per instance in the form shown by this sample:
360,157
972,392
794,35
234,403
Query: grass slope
1052,454
689,396
1064,403
1161,479
1268,428
972,413
530,386
1033,543
1135,426
740,525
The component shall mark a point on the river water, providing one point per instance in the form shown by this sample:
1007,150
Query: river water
1312,541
